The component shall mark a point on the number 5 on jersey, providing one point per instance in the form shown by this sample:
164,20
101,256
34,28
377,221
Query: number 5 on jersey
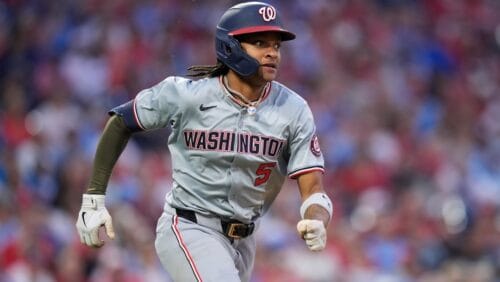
263,172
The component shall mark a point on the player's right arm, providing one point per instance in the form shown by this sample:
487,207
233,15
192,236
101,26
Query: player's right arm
150,109
93,213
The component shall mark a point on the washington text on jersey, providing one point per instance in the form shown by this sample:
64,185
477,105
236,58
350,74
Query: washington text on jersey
224,141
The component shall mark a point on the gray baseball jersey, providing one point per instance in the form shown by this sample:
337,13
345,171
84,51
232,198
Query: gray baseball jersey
228,161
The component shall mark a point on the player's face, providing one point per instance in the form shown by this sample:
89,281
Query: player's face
265,48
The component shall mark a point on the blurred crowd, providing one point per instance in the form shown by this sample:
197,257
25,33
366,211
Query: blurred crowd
406,97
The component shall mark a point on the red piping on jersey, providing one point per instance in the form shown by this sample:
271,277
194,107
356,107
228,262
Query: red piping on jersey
306,170
136,117
267,90
175,222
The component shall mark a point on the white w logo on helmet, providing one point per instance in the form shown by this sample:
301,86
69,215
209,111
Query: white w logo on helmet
268,13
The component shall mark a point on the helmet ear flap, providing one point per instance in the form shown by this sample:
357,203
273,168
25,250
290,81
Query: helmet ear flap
228,45
228,49
230,53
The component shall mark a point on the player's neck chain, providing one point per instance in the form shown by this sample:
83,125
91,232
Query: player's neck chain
250,105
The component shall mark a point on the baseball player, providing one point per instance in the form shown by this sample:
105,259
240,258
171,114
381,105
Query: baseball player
236,134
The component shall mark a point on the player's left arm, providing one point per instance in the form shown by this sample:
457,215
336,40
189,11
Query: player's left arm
316,210
306,165
310,184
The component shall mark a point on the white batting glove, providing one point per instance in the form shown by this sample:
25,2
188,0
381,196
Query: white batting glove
313,232
91,217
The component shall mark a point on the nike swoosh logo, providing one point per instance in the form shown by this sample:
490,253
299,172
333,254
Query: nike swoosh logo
83,218
204,108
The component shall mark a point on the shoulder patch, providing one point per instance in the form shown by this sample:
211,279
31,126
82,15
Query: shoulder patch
315,149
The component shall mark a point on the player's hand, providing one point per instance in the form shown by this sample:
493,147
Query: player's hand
91,217
313,232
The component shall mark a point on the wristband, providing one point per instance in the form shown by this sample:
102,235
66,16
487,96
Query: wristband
93,201
317,199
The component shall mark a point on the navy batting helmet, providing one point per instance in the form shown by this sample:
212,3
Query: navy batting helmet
245,18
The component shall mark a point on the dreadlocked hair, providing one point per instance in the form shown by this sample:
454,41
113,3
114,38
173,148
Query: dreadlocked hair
208,70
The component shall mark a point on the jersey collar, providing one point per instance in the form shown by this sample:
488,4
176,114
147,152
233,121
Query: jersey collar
231,94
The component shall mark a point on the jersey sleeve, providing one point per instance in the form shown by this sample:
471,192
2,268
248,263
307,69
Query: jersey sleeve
304,149
151,108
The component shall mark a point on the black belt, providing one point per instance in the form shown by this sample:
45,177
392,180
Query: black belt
232,229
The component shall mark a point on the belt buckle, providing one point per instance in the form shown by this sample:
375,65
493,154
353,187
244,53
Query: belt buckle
232,230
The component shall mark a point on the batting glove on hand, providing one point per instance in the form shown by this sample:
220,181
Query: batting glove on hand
91,217
313,232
